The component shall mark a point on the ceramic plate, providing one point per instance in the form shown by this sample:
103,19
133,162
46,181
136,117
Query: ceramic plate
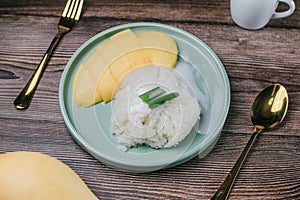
197,64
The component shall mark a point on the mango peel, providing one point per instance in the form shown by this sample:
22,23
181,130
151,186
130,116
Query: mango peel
36,176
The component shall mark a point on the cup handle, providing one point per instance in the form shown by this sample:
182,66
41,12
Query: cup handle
287,13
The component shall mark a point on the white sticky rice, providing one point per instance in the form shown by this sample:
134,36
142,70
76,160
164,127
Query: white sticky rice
164,126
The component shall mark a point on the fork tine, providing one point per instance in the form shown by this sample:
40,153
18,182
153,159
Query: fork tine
71,9
79,9
75,9
64,14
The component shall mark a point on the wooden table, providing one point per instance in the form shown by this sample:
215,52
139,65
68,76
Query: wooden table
252,59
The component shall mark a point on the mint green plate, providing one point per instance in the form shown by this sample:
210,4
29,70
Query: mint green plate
198,65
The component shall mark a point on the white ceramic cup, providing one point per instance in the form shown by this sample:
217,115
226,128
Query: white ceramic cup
255,14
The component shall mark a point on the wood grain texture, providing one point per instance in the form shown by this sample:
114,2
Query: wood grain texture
252,59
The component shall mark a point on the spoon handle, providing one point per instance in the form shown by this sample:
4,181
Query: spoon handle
223,191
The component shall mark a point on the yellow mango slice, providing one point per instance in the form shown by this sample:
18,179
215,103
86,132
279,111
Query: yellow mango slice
106,85
157,40
95,65
116,62
160,48
130,45
36,176
161,58
119,68
84,88
113,56
110,51
133,55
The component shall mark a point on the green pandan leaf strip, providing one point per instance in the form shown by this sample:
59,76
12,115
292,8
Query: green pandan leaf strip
151,94
162,99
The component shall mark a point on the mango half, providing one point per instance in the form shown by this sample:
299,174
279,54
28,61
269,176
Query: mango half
36,176
99,77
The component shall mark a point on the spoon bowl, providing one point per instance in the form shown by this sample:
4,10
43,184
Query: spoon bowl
267,111
269,107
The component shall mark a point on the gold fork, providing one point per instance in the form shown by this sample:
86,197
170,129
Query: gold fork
68,20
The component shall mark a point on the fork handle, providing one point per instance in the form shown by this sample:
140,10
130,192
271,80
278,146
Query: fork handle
24,98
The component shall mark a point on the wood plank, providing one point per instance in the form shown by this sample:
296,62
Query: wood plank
214,12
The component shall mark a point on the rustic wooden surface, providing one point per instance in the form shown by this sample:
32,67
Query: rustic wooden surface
252,59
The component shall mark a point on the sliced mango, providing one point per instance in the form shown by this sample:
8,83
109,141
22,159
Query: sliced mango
119,68
114,58
117,63
161,49
134,52
84,88
106,85
95,65
157,40
110,50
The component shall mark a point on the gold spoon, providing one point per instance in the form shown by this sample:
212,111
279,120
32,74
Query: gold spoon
267,111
